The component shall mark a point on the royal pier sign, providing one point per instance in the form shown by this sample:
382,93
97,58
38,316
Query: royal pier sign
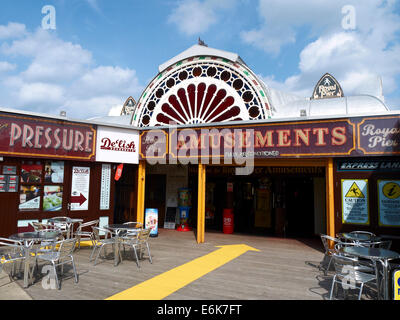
346,137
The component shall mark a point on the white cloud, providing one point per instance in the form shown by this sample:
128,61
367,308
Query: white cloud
195,16
358,58
6,66
12,30
115,110
54,75
44,93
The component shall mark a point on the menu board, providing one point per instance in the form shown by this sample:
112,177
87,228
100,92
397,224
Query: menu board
355,209
389,203
80,188
29,198
105,187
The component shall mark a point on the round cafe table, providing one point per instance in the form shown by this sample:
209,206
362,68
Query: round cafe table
117,228
29,238
376,254
359,237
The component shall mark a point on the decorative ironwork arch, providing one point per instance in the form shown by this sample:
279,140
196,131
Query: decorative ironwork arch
202,90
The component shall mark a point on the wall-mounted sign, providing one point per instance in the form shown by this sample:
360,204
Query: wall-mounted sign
379,135
38,137
380,165
105,186
327,87
274,140
389,203
80,188
355,207
117,145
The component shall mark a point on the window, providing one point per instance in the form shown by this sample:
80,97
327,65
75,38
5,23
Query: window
41,186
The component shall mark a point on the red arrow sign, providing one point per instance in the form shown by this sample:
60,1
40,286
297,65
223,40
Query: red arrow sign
78,199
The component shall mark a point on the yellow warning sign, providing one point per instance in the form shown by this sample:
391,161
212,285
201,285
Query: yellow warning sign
391,190
354,192
396,286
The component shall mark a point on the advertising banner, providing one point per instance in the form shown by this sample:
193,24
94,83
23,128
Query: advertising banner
105,187
80,188
151,221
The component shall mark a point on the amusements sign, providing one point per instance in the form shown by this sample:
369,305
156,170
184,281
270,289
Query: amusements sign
389,203
349,137
80,188
355,208
38,137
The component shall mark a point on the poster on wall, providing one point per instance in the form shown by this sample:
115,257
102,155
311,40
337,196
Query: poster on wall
52,199
389,203
80,188
105,187
31,172
29,198
54,172
355,208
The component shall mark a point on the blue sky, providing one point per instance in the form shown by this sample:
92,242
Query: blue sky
103,51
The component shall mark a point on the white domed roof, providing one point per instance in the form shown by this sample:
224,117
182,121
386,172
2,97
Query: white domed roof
352,105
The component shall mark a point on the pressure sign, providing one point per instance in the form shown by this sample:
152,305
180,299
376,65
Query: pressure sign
355,209
389,203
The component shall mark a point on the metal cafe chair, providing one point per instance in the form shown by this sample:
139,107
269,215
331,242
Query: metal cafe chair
364,232
61,256
347,275
384,244
364,265
131,240
82,232
11,252
103,243
63,224
328,251
40,226
143,237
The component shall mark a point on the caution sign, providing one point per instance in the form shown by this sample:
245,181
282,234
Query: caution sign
396,285
355,208
354,192
389,203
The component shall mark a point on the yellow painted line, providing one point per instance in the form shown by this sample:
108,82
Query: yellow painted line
163,285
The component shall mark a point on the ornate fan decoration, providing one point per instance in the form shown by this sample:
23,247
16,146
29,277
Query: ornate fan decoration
202,90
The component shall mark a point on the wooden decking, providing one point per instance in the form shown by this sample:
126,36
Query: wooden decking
282,269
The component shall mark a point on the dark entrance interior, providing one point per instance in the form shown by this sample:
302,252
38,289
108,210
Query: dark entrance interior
264,203
156,185
125,195
299,195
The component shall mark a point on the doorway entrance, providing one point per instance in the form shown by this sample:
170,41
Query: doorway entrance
156,185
